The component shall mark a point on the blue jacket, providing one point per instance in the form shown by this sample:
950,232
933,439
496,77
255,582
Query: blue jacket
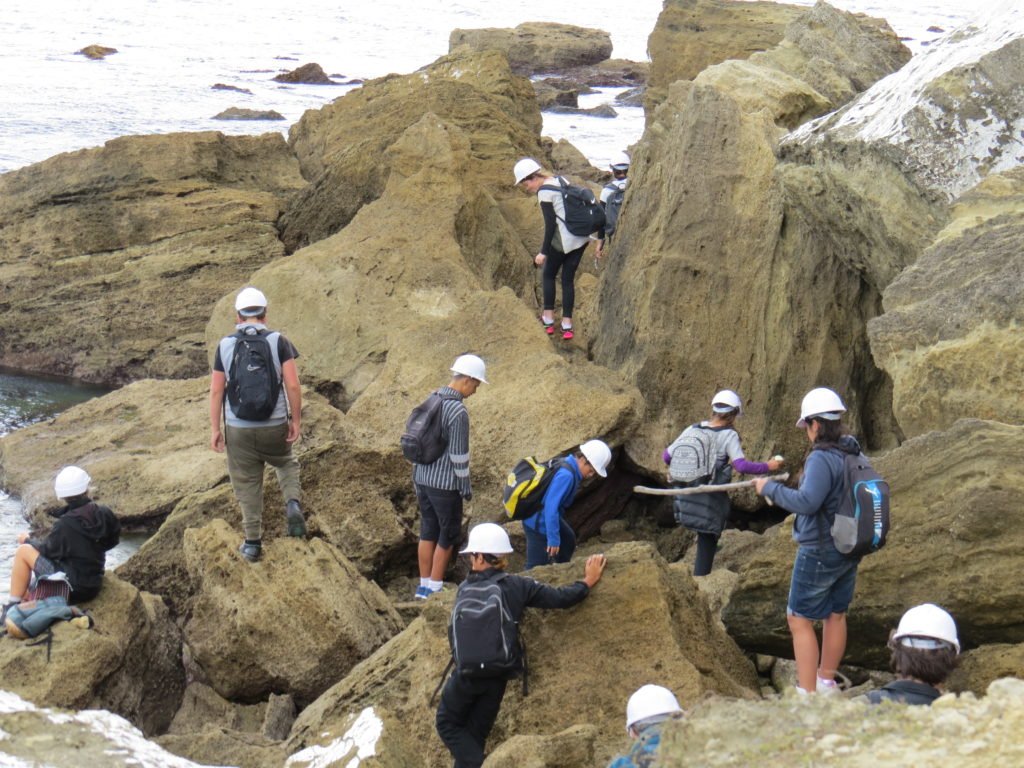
644,751
820,487
557,499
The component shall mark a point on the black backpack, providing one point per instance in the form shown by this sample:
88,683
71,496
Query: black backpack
483,635
526,484
423,441
254,384
861,524
612,206
584,215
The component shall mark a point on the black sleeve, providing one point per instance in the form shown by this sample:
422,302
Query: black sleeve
218,364
545,596
55,546
550,222
285,349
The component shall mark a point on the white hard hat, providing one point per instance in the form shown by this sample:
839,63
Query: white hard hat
726,401
488,539
71,481
822,403
598,454
927,622
470,365
250,302
650,701
524,168
620,162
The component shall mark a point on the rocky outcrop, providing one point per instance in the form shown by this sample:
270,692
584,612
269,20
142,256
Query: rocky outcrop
343,148
110,257
691,35
951,336
308,74
295,622
833,731
236,113
537,47
979,668
639,604
96,52
573,746
130,663
955,532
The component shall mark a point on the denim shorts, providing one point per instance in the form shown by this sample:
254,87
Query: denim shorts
822,584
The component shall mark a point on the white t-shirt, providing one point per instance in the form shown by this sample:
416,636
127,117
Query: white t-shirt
617,183
570,242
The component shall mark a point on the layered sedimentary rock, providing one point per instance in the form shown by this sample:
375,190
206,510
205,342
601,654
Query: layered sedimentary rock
536,47
956,533
951,336
110,257
130,663
640,605
342,148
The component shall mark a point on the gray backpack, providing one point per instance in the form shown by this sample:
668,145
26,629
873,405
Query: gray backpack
693,455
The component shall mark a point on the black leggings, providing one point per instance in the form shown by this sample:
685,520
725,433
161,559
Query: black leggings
707,544
466,715
567,262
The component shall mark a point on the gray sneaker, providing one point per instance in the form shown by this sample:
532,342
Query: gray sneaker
296,522
250,552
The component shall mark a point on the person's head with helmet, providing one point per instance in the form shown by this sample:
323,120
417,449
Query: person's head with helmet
648,706
468,373
821,412
620,166
593,457
925,646
726,406
71,483
529,175
251,305
487,547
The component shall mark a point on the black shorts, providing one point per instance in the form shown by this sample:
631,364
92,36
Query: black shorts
440,515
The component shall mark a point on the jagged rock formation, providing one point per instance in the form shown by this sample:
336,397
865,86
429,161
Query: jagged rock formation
110,257
537,47
309,74
956,530
951,333
130,663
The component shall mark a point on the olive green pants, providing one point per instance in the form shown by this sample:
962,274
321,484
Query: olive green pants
249,451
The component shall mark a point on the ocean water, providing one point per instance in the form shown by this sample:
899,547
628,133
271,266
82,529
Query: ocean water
170,53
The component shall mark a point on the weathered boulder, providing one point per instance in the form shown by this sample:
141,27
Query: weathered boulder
130,663
974,733
226,87
950,337
216,745
956,533
96,52
612,73
572,747
691,35
373,737
309,74
237,113
978,668
557,92
295,622
342,148
110,257
639,604
536,47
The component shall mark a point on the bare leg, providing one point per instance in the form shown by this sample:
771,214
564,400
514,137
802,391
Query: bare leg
441,557
833,644
21,570
425,556
805,651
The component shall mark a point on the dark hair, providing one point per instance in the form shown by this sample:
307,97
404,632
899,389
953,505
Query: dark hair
729,418
929,665
829,430
81,498
247,318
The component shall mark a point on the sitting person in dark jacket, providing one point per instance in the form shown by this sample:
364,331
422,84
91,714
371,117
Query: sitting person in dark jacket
924,647
76,545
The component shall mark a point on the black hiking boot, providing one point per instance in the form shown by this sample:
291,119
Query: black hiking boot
296,522
251,550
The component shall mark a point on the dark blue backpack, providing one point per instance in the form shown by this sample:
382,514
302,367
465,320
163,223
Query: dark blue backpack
861,524
584,215
254,384
612,206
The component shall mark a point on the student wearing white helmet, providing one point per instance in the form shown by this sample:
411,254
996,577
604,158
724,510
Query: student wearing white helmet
612,195
472,695
561,250
255,392
648,709
706,514
549,538
925,649
823,579
443,485
76,545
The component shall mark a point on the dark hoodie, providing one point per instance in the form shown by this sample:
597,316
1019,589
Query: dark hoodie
78,545
905,692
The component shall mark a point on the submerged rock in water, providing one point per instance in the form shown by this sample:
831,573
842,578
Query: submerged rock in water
538,47
96,52
236,113
309,74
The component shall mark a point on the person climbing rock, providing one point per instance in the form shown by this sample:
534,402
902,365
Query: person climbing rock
647,710
549,538
706,514
561,250
444,484
472,696
255,389
612,195
823,578
925,650
76,545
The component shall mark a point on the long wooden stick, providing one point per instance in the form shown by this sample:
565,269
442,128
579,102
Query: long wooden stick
703,488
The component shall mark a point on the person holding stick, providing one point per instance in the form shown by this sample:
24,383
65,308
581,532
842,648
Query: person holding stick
706,454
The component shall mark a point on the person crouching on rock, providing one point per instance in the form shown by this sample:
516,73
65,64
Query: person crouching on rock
77,544
823,578
647,710
549,538
925,649
483,662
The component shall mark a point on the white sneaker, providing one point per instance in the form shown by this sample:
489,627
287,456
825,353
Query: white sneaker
827,687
